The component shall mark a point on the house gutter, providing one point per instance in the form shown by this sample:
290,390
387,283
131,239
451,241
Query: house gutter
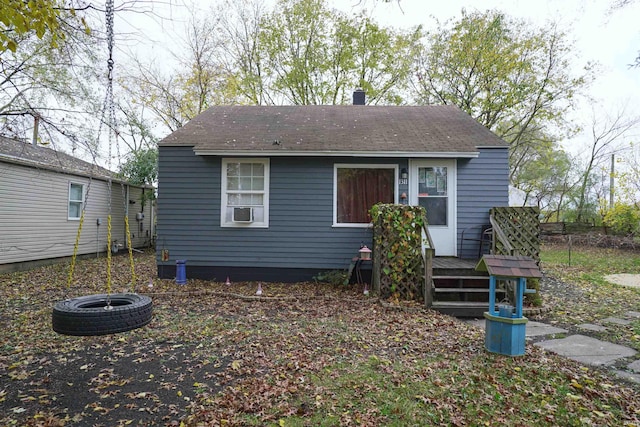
385,154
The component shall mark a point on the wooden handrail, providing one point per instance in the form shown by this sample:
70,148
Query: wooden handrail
499,234
427,235
428,254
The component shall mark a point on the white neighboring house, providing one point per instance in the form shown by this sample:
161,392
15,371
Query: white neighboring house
517,198
42,192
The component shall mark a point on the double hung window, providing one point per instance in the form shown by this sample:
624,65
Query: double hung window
76,200
245,193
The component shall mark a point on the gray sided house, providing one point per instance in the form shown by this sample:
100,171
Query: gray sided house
280,193
41,196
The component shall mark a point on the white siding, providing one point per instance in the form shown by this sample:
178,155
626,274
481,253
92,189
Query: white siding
141,230
33,215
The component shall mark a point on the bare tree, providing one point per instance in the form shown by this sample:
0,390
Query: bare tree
628,176
177,95
57,77
51,80
239,26
607,134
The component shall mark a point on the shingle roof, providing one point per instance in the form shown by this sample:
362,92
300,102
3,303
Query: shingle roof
300,130
23,153
509,266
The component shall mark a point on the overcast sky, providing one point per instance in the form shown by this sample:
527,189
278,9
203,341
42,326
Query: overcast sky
611,38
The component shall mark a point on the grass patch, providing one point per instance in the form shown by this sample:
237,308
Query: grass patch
589,259
482,390
587,296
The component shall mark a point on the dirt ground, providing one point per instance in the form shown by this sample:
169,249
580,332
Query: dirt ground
130,378
217,352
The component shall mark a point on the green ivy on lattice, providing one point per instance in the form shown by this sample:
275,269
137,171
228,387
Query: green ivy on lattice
398,241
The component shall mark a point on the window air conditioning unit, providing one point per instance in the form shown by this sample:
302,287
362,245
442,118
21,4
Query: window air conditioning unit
242,214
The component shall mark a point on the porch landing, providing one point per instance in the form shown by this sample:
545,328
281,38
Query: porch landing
454,263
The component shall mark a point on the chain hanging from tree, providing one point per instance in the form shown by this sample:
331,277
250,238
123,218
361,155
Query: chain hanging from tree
110,126
113,137
104,314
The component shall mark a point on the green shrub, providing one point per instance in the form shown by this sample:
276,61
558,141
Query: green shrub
533,299
334,277
623,219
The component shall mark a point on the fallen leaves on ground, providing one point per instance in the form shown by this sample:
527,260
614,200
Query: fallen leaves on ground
302,354
577,292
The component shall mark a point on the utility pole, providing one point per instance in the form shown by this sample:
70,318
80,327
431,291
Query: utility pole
36,123
611,180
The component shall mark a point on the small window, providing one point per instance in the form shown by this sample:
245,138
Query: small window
432,193
358,188
76,200
245,193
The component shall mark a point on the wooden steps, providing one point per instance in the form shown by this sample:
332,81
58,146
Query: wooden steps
461,308
463,290
460,277
460,290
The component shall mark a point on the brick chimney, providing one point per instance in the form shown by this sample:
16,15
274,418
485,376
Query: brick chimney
358,97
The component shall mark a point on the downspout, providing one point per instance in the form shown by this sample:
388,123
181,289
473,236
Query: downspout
152,230
143,211
127,215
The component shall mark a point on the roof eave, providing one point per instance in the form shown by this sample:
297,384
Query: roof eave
330,153
66,171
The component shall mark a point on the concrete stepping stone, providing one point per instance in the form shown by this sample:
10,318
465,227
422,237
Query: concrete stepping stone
592,327
537,329
624,279
587,350
617,321
635,366
632,314
627,375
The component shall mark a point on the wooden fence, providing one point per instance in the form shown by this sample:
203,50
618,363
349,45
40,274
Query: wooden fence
562,227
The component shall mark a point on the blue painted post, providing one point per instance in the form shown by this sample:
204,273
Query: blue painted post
492,296
522,285
505,330
181,272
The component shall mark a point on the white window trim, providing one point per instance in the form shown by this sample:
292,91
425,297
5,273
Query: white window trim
337,166
69,201
224,198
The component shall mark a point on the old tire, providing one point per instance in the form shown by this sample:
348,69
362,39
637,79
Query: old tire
89,315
